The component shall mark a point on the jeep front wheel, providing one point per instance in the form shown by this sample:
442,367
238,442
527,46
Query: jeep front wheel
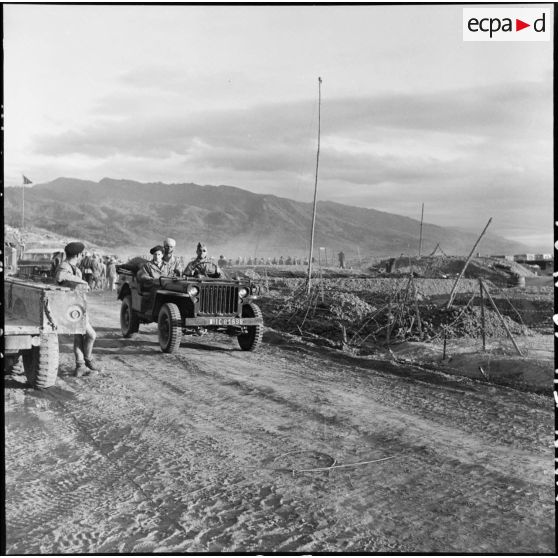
252,338
41,363
170,327
129,320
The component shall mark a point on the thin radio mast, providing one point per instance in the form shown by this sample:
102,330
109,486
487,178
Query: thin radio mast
420,240
315,187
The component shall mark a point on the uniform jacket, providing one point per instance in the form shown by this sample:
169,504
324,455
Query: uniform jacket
202,266
173,265
68,275
150,270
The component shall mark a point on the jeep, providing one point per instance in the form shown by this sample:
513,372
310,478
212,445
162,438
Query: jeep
191,305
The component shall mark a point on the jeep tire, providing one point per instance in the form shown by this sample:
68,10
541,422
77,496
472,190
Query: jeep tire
41,363
129,319
252,339
170,327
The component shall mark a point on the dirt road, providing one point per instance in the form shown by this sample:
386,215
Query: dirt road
206,451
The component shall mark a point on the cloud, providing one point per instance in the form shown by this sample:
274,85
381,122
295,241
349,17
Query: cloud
480,150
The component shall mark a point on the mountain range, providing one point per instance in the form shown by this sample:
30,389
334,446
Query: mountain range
129,217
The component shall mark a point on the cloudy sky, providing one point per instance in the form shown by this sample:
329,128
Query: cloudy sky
410,112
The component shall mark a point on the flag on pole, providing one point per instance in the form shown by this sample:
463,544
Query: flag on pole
26,180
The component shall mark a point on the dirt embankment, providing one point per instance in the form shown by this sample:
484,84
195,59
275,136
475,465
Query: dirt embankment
295,448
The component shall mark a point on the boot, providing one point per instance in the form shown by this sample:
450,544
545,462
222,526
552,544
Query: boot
81,369
93,366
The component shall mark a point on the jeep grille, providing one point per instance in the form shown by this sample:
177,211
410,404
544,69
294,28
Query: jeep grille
218,299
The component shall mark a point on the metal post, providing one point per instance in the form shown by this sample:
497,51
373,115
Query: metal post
23,205
315,188
420,240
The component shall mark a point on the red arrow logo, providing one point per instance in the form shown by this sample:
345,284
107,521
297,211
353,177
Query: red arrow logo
519,25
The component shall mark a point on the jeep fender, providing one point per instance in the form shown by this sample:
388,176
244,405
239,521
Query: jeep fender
124,291
182,301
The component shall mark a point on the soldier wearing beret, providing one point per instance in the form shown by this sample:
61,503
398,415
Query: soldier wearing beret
152,270
202,265
68,274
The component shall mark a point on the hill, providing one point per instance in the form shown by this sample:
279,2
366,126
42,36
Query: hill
130,216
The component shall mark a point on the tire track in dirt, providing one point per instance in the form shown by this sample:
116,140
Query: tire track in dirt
250,389
200,432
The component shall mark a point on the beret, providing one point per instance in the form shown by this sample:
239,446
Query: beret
73,249
157,248
170,242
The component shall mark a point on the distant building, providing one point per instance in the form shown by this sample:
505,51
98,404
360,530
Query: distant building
524,257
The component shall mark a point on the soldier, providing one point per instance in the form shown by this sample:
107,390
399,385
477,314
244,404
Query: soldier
152,270
169,258
68,274
202,266
222,262
341,257
86,267
111,274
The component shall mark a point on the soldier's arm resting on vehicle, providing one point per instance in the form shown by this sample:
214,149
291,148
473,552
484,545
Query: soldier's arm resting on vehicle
65,276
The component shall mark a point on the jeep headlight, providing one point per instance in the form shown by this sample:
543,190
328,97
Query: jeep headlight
193,291
242,292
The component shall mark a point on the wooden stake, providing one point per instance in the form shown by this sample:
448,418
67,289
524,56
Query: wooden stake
454,288
419,325
483,324
503,322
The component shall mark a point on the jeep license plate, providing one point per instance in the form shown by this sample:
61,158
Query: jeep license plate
225,321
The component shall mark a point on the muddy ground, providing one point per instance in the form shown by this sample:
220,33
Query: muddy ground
295,448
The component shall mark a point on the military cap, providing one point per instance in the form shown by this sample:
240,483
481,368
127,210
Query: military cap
200,246
73,249
170,242
157,248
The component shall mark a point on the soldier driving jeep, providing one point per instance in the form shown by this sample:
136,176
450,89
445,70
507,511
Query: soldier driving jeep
202,265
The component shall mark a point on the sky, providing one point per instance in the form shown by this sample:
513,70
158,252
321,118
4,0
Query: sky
410,114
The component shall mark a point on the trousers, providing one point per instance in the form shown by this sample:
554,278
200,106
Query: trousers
83,344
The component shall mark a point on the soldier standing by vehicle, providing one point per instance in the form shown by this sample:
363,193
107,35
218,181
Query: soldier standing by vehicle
202,266
111,274
86,268
68,274
169,258
152,270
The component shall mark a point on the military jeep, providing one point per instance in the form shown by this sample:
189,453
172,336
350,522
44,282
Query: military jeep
39,264
190,306
35,314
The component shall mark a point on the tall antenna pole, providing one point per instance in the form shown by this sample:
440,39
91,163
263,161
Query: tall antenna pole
420,240
23,204
315,187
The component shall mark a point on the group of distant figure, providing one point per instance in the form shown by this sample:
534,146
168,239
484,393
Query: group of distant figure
289,260
164,263
99,271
